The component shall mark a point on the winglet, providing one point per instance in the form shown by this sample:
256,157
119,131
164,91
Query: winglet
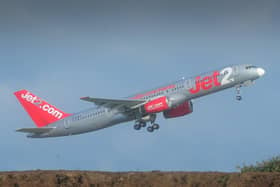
85,98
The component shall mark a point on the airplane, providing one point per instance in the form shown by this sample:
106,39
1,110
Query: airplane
173,100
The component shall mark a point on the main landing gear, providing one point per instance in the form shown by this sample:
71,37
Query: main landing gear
150,128
142,124
139,125
153,127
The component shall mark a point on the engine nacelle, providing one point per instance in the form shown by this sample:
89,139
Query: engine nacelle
181,110
157,105
164,103
176,100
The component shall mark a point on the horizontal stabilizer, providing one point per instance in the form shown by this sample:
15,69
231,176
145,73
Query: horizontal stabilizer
35,130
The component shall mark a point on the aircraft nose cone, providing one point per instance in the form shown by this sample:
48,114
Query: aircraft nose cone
261,72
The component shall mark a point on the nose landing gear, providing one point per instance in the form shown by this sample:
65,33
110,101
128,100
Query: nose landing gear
238,93
238,98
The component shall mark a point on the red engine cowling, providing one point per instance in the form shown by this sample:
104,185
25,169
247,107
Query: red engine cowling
157,105
181,110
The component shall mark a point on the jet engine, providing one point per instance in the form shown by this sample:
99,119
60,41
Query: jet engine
164,103
181,110
157,105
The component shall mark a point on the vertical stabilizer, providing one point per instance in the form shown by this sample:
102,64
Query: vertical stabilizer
41,112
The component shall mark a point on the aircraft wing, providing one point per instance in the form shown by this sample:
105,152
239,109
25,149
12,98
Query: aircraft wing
35,130
110,103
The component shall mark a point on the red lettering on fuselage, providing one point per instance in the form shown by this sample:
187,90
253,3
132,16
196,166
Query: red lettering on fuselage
206,83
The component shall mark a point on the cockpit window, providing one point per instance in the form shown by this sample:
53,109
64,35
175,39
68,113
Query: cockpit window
250,67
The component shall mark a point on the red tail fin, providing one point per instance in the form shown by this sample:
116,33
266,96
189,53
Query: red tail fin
41,112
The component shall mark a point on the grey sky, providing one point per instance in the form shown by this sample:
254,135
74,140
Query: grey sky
63,50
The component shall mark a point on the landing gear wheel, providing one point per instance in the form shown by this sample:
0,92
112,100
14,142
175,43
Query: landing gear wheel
155,126
137,127
150,129
239,98
238,93
143,124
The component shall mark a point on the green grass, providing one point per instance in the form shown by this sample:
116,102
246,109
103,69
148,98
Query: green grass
270,165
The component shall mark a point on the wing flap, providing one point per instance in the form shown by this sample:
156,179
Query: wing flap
35,130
